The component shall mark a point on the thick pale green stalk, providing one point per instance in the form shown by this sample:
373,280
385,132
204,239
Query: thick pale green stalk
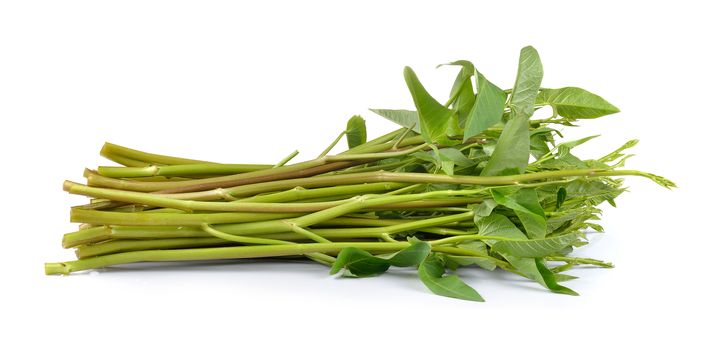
221,253
237,206
169,219
329,229
118,246
319,257
180,170
383,176
300,193
111,151
304,169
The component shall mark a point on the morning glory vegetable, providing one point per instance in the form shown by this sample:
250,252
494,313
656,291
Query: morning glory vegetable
476,181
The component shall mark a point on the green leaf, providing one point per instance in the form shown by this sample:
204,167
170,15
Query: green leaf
535,248
550,279
431,273
512,152
487,109
412,255
564,148
484,209
497,225
576,103
402,117
525,203
463,90
484,263
361,263
454,155
561,197
526,266
356,131
434,117
527,83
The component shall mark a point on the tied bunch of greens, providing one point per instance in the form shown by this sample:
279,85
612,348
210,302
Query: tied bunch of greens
474,181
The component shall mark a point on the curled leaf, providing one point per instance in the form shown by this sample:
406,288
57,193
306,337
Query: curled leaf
431,273
356,131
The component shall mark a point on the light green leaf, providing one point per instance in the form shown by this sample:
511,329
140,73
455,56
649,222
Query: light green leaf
576,103
512,152
434,117
527,83
431,273
402,117
487,109
560,277
535,248
356,131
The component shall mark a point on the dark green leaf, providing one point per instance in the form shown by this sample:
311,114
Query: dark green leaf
402,117
484,263
463,90
550,280
455,156
496,225
412,255
561,196
527,267
527,83
512,152
361,263
356,131
434,117
431,272
576,103
487,109
539,139
525,203
484,209
535,248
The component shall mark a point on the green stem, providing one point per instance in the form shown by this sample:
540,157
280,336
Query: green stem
379,140
286,159
580,261
380,155
334,143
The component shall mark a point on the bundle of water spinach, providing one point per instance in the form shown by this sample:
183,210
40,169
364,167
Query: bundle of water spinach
476,181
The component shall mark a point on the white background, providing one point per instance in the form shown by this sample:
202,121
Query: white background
230,82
